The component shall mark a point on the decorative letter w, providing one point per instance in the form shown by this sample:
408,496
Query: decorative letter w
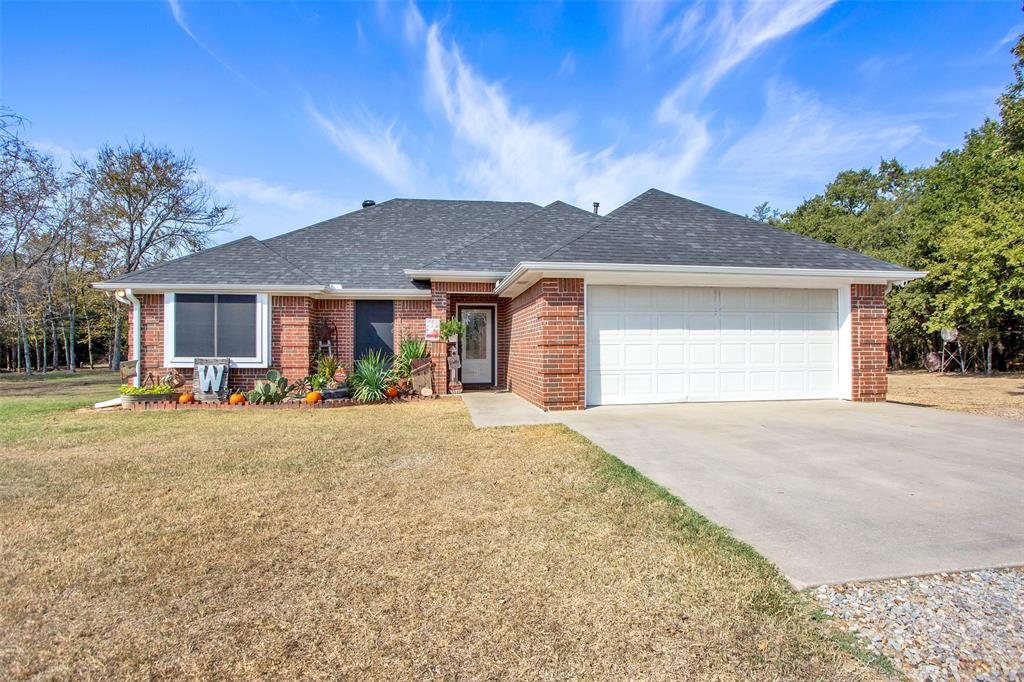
210,377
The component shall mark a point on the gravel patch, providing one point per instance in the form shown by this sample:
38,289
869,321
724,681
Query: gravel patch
950,626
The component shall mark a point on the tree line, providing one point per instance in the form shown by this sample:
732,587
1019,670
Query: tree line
961,219
137,204
129,207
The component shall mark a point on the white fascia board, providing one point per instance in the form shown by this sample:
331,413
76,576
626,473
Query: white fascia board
531,271
213,288
457,275
338,291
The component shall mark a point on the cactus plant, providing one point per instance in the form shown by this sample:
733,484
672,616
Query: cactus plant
273,390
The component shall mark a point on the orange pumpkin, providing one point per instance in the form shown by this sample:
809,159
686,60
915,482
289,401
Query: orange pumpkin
391,391
186,398
314,397
236,399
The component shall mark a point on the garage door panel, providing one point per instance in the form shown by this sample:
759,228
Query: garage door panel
638,298
702,324
703,354
701,298
734,354
702,385
671,356
670,344
670,298
638,385
637,355
605,356
733,324
604,326
670,324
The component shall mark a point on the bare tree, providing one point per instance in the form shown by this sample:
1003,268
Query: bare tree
149,204
27,182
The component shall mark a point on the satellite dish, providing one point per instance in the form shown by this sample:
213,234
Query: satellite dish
950,335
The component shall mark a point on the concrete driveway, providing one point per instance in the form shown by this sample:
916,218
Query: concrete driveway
830,491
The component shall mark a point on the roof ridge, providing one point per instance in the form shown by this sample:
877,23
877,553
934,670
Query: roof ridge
485,235
600,220
287,260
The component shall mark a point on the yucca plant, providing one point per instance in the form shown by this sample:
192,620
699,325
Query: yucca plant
371,376
408,350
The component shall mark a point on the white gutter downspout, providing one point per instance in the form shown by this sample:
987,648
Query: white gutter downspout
128,298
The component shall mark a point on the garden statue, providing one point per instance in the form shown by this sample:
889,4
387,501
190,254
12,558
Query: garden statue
454,364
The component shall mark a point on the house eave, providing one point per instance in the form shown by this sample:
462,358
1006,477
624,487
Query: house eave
152,287
528,272
456,275
339,291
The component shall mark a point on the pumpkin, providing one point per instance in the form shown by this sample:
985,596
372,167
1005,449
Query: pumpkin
236,399
186,398
391,391
314,397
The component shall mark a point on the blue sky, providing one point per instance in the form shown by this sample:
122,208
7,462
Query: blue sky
297,112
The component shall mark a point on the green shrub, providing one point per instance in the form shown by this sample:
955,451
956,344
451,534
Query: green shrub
273,390
127,389
408,350
371,376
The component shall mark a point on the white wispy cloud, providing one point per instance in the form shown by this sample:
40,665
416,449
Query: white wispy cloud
370,143
730,37
179,17
261,192
568,65
413,25
503,153
801,141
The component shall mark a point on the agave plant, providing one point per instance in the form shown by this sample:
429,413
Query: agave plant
273,390
408,350
371,376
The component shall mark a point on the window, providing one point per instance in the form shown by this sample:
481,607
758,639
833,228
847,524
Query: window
216,325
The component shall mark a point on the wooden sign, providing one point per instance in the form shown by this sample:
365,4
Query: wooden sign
422,374
432,326
210,379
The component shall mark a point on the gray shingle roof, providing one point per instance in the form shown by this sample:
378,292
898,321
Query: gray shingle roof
371,248
524,240
243,261
660,228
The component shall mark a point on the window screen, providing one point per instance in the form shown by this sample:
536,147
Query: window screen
208,325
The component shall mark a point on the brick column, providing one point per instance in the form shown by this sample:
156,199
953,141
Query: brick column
439,305
869,342
292,343
545,363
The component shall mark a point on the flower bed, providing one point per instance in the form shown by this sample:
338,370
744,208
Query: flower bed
289,405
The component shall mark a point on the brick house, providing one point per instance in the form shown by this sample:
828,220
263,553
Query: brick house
661,300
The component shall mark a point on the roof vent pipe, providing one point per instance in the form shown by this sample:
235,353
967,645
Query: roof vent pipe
596,204
368,203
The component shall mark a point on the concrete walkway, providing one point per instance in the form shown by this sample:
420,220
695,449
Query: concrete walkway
830,491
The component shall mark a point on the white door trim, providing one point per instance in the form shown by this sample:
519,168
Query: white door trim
493,307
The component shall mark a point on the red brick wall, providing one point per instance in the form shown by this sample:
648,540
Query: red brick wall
545,361
869,341
445,296
342,313
290,340
409,316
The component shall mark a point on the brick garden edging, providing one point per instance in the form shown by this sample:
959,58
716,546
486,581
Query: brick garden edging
165,405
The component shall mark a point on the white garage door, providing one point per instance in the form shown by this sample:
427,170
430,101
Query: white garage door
673,344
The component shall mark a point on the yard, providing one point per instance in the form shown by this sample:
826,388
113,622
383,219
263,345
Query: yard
385,541
1001,395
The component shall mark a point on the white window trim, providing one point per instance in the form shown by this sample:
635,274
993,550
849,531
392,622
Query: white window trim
260,360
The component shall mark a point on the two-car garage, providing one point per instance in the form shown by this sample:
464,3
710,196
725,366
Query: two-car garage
654,344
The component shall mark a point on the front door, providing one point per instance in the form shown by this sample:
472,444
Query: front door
478,345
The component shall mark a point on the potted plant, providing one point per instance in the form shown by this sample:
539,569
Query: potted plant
146,394
452,329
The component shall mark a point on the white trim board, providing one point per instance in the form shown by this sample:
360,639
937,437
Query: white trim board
263,335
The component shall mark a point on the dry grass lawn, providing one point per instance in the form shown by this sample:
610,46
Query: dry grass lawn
1001,395
373,542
